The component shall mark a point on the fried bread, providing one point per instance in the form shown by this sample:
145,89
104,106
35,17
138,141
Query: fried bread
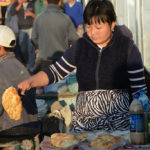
12,103
65,140
105,141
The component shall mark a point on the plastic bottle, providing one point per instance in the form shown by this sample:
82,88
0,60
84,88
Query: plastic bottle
136,121
148,128
145,102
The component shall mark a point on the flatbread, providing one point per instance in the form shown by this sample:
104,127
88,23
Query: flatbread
105,141
65,140
12,103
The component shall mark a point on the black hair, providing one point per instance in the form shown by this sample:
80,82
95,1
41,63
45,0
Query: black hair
101,10
53,1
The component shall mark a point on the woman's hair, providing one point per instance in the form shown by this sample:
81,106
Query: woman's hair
100,10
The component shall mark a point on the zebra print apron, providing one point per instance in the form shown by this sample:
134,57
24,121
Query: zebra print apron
101,110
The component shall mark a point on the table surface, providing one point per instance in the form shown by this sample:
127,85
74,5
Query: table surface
48,96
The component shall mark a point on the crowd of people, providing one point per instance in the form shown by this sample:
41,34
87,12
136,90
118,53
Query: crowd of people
108,64
20,15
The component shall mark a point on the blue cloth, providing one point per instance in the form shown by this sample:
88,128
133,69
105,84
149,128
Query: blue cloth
75,12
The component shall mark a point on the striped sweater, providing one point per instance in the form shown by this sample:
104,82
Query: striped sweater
67,63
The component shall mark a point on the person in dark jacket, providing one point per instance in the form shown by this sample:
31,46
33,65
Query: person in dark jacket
16,132
53,32
109,70
24,9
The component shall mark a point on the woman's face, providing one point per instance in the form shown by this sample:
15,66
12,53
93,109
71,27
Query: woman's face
101,33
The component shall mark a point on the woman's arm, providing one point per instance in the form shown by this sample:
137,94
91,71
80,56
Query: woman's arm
39,79
136,71
52,74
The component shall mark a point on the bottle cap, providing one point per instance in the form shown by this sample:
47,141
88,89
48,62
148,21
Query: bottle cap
142,91
135,96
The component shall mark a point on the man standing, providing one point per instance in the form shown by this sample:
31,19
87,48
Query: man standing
24,9
53,32
16,133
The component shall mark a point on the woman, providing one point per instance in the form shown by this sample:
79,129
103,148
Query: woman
109,70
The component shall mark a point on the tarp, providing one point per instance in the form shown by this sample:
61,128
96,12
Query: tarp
135,14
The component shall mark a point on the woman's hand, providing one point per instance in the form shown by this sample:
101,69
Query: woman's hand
24,86
38,80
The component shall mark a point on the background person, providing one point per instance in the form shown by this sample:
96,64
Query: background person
12,22
24,10
53,32
3,5
39,6
74,10
109,69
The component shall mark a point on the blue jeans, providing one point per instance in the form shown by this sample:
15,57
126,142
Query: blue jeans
27,48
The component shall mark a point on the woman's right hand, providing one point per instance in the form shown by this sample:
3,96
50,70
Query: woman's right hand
24,86
37,80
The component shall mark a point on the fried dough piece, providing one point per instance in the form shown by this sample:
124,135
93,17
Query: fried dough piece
12,103
65,140
105,141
